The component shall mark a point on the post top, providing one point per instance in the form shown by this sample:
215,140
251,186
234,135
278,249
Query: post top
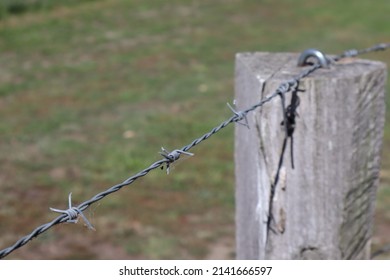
281,66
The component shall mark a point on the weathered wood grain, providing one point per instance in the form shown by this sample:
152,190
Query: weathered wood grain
322,209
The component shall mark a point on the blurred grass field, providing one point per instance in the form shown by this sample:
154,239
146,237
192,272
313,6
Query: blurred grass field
90,91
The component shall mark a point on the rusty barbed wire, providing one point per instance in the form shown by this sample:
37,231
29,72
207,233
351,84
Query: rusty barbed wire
72,213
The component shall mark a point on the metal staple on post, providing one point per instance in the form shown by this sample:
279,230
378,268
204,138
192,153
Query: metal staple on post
321,58
71,214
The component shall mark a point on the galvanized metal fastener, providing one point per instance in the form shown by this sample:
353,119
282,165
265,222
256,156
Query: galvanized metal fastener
305,55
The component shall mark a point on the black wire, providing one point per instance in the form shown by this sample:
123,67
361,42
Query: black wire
289,115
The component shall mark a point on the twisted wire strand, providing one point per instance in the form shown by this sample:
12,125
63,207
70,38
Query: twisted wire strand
354,52
381,251
237,116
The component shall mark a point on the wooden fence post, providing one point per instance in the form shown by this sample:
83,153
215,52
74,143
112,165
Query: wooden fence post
322,209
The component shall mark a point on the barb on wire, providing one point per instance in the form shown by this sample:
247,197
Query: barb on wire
354,52
171,157
70,215
73,213
240,115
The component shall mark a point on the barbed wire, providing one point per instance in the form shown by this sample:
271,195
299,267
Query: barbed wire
381,251
71,214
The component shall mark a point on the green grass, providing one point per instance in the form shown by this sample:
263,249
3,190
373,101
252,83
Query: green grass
76,76
19,7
